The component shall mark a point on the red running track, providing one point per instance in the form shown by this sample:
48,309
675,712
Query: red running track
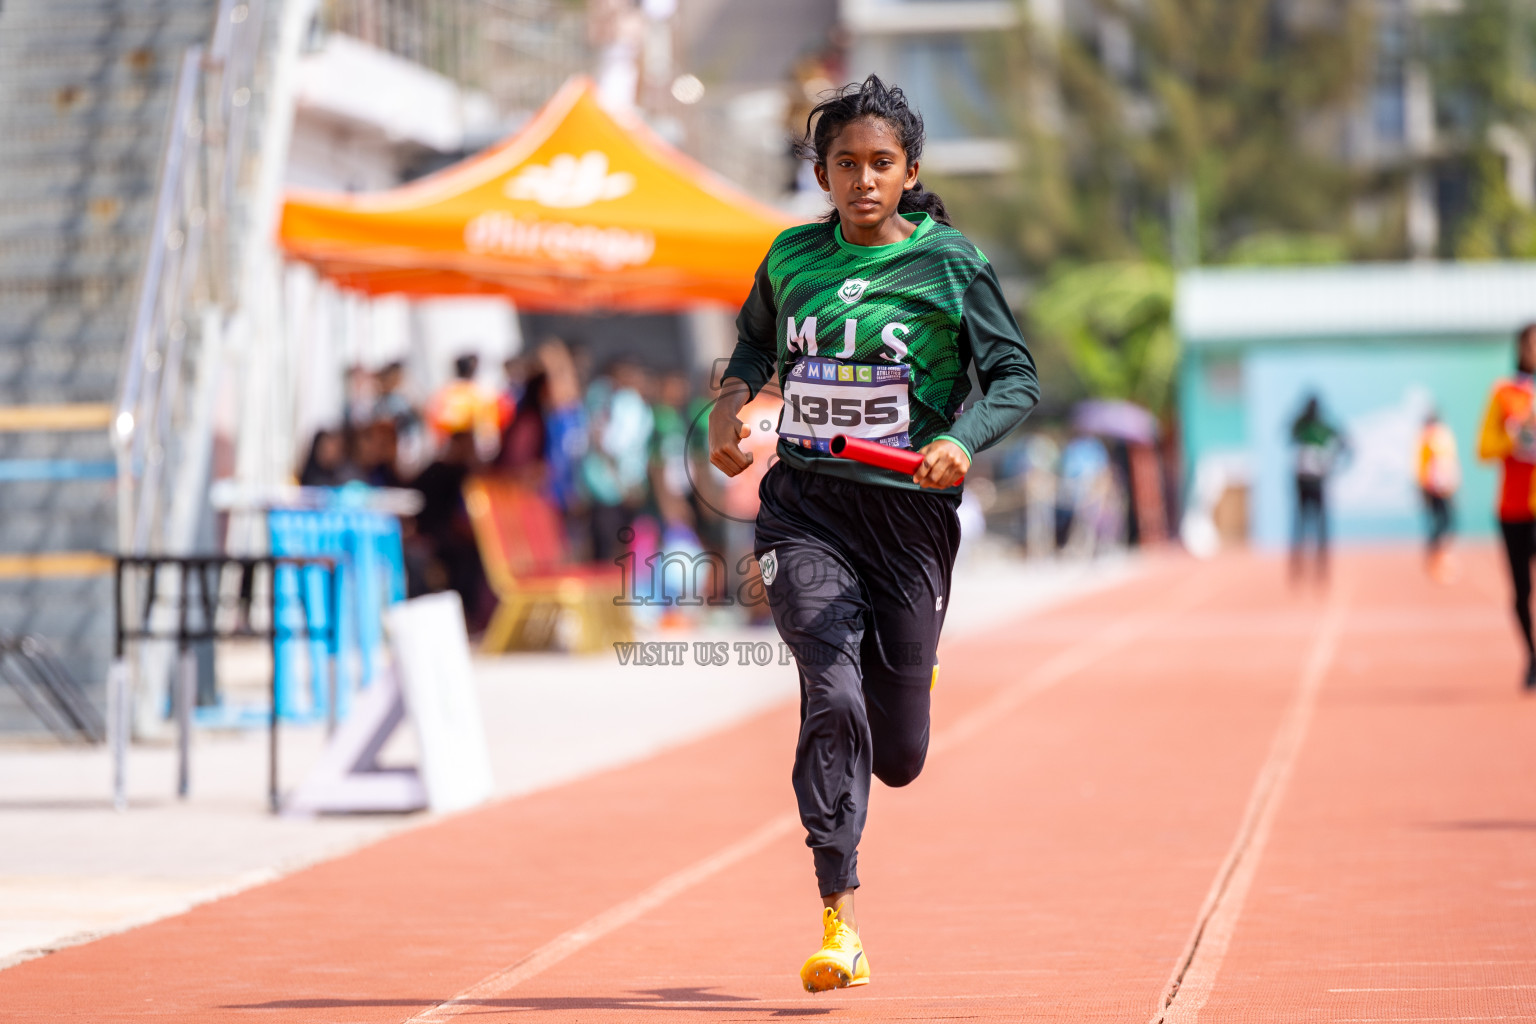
1200,796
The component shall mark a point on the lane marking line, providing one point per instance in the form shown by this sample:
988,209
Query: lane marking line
1434,963
713,978
725,1001
1434,988
1194,976
1050,672
612,919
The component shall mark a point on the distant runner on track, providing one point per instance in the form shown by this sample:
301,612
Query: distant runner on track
1509,435
1318,449
870,318
1439,477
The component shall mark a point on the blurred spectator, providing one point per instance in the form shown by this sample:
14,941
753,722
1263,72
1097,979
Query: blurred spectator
523,443
614,468
672,490
463,404
358,402
1089,510
1007,511
669,476
1041,457
327,465
444,534
1439,478
581,363
377,452
547,434
392,406
1318,450
706,484
515,369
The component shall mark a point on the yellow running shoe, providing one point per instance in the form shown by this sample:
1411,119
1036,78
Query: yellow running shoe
840,963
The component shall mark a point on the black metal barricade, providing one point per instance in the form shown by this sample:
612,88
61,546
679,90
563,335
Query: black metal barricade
166,610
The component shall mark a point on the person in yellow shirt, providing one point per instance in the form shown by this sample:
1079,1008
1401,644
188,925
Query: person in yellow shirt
1439,479
1509,436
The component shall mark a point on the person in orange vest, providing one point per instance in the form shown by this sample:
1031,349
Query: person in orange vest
1439,478
1509,436
463,404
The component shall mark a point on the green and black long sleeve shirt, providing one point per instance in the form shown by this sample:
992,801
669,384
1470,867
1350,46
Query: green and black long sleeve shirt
930,303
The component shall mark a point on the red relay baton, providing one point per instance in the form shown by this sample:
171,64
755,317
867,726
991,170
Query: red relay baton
902,460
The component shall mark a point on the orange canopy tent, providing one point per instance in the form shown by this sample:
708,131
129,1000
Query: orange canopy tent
581,209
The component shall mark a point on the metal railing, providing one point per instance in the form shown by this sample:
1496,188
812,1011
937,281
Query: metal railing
187,263
518,52
33,670
161,428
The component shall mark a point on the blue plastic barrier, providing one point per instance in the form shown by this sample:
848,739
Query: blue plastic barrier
367,546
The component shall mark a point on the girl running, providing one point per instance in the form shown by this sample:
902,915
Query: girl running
871,319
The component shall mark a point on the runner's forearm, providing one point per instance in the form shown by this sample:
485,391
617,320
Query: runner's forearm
734,393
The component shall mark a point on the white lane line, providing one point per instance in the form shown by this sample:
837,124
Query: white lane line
1434,988
1433,963
615,917
1424,1020
1050,672
726,1002
1194,976
709,980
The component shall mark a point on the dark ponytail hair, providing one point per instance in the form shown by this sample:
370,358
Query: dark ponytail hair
871,98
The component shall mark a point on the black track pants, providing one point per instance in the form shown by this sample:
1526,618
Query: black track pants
1440,514
857,576
1520,545
1311,516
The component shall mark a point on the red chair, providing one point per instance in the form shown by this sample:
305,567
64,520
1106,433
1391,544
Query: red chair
527,561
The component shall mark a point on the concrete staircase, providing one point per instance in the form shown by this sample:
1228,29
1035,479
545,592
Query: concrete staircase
85,91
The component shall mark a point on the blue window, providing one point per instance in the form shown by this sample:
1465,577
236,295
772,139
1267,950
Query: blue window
940,75
1389,100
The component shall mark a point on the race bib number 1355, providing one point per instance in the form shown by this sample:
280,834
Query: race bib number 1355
824,398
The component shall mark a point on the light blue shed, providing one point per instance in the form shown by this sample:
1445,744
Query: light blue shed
1380,344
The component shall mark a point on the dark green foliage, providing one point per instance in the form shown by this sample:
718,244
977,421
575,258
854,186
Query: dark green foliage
1482,60
1155,134
1174,129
